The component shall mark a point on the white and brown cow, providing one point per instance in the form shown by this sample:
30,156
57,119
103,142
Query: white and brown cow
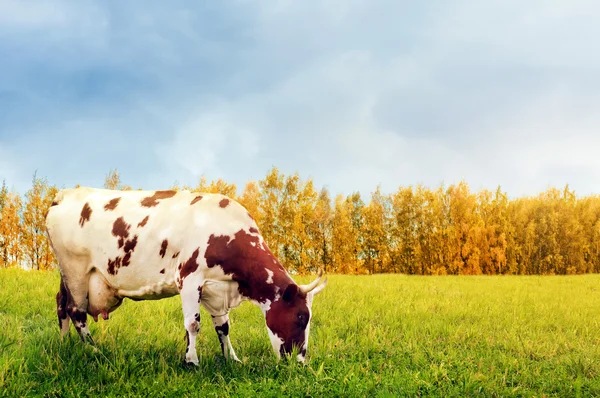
148,245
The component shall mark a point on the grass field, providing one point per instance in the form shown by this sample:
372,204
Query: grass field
382,335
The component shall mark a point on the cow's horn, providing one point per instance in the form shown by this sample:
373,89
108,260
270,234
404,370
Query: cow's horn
307,288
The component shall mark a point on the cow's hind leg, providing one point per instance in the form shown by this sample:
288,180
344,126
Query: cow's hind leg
77,291
191,319
61,309
221,323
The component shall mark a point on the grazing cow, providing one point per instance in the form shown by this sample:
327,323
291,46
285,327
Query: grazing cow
148,245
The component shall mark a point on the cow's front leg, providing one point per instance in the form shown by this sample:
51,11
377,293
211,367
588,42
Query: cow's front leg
221,324
191,321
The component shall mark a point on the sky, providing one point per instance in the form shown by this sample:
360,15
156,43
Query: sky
352,94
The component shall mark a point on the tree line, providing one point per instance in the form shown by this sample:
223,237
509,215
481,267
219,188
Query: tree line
415,230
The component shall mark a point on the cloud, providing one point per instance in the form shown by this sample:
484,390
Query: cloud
350,93
207,144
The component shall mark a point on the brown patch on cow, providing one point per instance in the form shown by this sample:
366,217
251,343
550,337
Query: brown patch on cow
224,203
86,213
126,260
175,255
61,303
54,203
152,201
121,230
253,230
196,199
191,265
247,262
114,265
222,330
112,204
143,222
162,271
163,248
130,244
79,318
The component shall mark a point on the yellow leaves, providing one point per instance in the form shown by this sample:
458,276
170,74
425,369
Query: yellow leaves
216,186
112,180
415,230
34,244
345,247
10,229
250,199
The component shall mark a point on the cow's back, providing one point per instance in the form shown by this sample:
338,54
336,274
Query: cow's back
138,239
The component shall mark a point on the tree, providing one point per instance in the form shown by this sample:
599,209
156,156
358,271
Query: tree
494,232
222,187
464,229
113,181
288,208
356,208
216,186
376,233
271,188
304,228
343,240
36,248
322,229
3,194
3,243
250,199
11,230
406,210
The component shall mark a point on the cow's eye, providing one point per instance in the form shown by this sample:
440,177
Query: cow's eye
302,318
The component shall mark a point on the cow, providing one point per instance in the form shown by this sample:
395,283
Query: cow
149,245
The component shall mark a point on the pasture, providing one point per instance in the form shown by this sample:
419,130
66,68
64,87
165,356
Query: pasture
381,335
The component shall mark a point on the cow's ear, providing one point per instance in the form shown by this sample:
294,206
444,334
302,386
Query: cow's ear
290,292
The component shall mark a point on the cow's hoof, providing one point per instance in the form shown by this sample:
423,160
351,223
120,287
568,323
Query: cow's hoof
190,364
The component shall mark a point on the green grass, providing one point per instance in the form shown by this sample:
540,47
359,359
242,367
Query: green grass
382,335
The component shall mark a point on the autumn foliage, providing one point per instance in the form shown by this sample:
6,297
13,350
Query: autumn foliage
415,230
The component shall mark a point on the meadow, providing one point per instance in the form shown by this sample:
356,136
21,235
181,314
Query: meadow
380,335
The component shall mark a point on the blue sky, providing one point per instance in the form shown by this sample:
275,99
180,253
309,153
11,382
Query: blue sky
350,93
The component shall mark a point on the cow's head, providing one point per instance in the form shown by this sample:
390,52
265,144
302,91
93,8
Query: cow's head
288,318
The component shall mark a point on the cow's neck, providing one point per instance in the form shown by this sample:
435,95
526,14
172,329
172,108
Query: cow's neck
263,293
245,256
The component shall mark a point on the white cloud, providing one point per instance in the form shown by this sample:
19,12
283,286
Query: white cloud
34,14
351,93
209,142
